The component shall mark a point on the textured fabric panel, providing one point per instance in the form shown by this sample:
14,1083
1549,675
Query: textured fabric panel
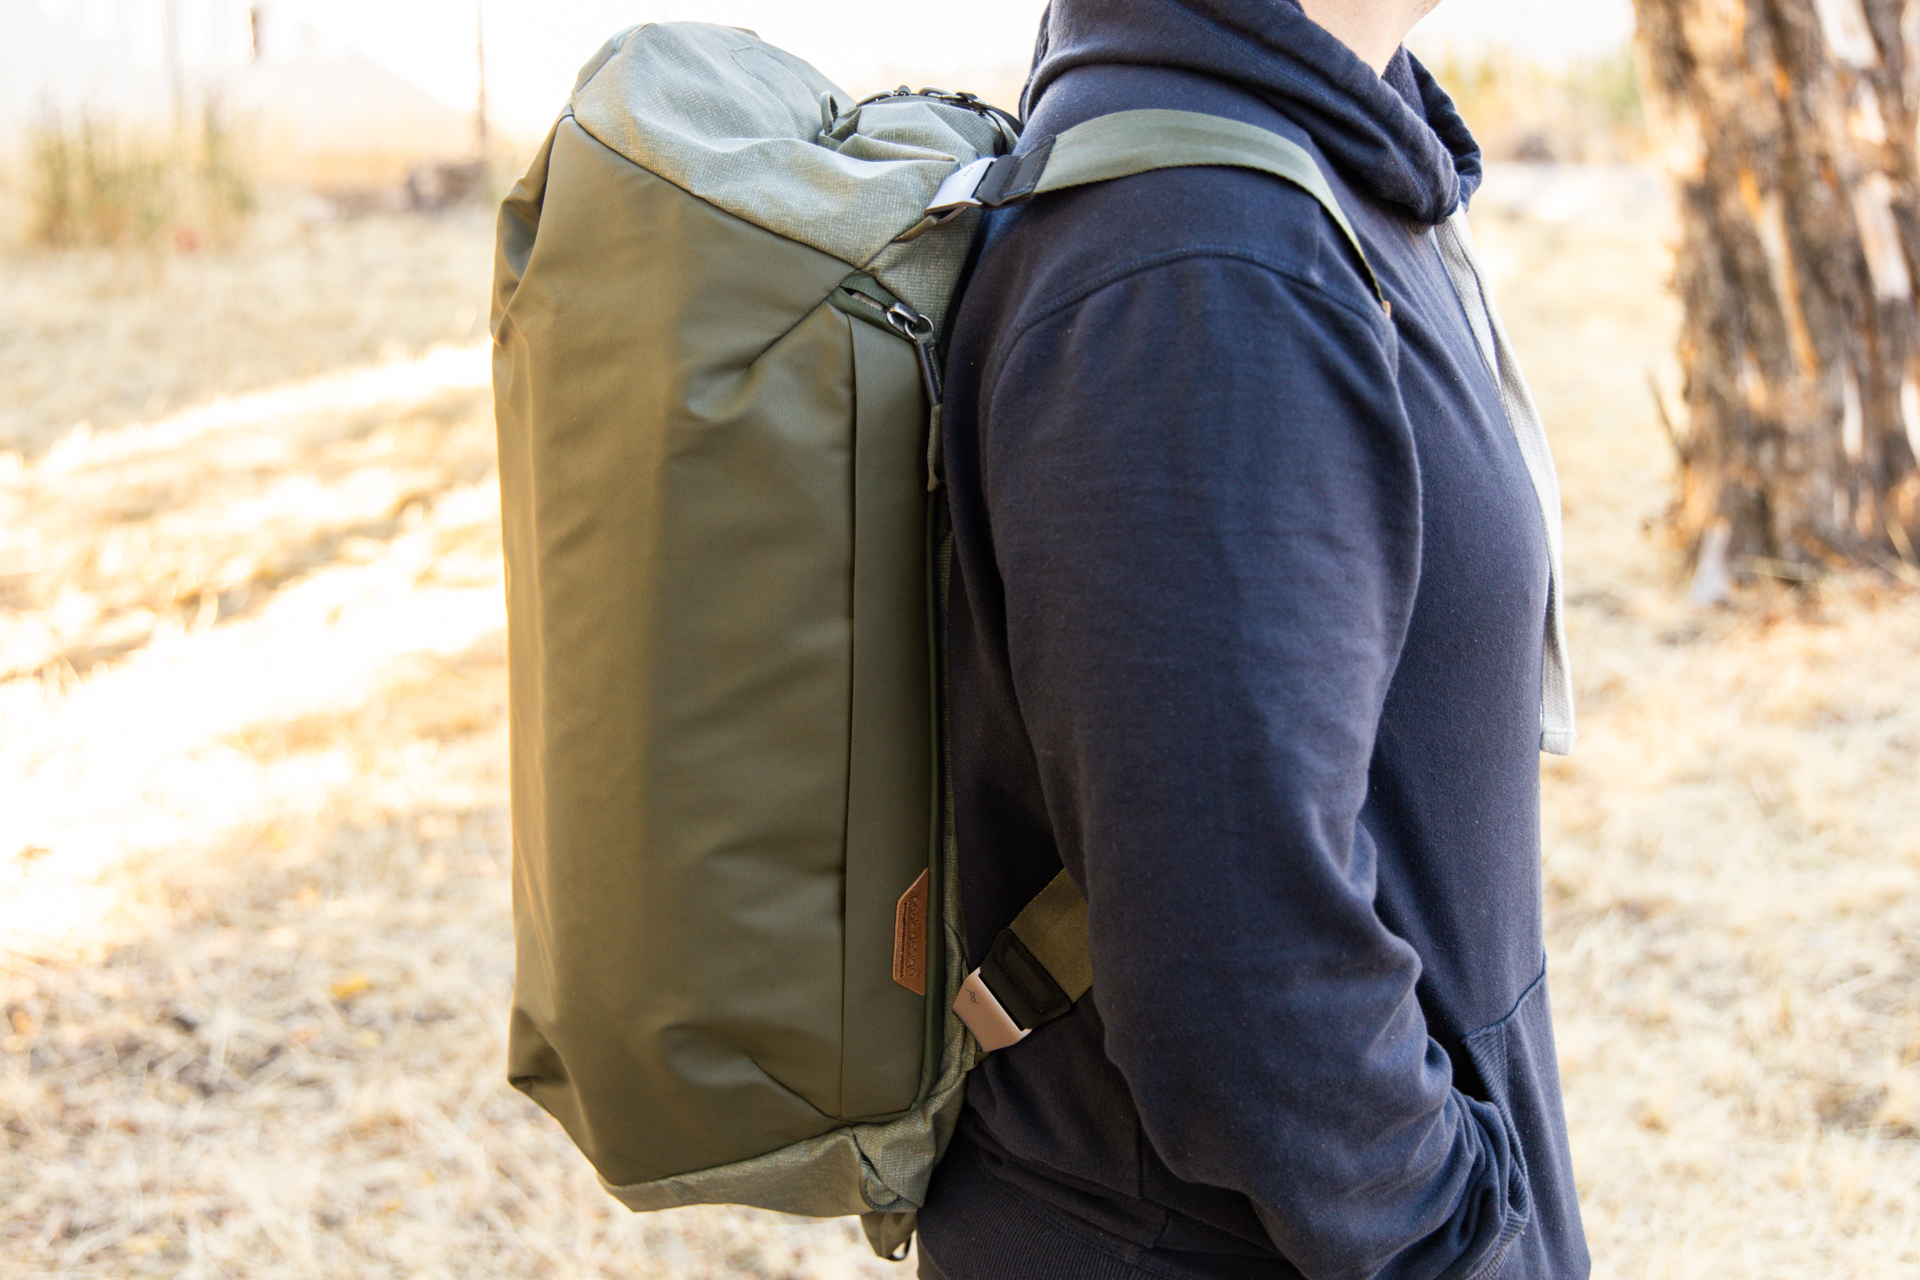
761,134
1557,732
858,1169
819,1178
922,272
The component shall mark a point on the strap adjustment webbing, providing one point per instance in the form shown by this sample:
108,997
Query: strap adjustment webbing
1034,971
1130,142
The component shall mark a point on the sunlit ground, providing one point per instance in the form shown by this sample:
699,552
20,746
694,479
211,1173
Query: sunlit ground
1733,853
254,944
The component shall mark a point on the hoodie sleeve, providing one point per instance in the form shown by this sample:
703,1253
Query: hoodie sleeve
1204,504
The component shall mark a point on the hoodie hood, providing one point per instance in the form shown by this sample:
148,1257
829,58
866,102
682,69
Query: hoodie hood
1397,137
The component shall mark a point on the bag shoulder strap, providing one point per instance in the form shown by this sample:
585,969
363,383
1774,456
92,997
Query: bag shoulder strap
1130,142
1033,972
1039,965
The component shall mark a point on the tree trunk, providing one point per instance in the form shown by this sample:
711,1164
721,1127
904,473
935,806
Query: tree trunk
1789,129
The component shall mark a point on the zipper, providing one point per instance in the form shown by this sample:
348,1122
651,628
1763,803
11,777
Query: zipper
949,828
909,324
902,320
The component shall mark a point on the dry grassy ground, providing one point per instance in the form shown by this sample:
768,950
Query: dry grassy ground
1733,853
112,338
253,934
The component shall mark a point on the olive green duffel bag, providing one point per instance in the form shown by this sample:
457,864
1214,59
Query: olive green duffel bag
718,298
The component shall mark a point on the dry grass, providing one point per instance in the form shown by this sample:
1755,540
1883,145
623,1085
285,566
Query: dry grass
111,338
253,935
1733,854
104,181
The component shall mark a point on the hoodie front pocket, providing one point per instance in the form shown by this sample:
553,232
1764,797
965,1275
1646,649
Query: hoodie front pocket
1516,1061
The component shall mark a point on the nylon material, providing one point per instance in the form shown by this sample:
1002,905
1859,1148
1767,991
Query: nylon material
819,1178
1118,145
599,59
1130,142
887,150
753,529
884,1025
904,1153
1558,730
614,1030
952,908
529,1055
876,123
737,122
939,889
1053,927
922,273
640,1022
889,1234
518,219
855,1169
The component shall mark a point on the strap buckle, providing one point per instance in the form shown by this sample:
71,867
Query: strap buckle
960,190
1034,971
986,1017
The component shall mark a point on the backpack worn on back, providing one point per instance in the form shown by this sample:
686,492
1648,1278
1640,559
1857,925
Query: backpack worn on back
720,288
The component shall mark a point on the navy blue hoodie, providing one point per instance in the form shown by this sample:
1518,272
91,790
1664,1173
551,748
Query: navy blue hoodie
1246,632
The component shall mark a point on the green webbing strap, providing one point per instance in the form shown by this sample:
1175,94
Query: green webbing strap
1130,142
1053,927
1034,971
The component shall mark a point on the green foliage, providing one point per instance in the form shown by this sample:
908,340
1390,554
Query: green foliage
97,181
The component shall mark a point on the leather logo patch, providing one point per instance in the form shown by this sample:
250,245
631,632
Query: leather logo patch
910,938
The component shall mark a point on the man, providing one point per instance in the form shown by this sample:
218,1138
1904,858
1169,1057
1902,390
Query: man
1251,594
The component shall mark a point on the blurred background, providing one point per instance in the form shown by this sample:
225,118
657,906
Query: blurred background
254,942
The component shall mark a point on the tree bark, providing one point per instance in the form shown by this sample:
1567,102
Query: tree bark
1788,127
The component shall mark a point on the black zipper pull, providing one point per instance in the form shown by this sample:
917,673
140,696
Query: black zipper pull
903,321
918,330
